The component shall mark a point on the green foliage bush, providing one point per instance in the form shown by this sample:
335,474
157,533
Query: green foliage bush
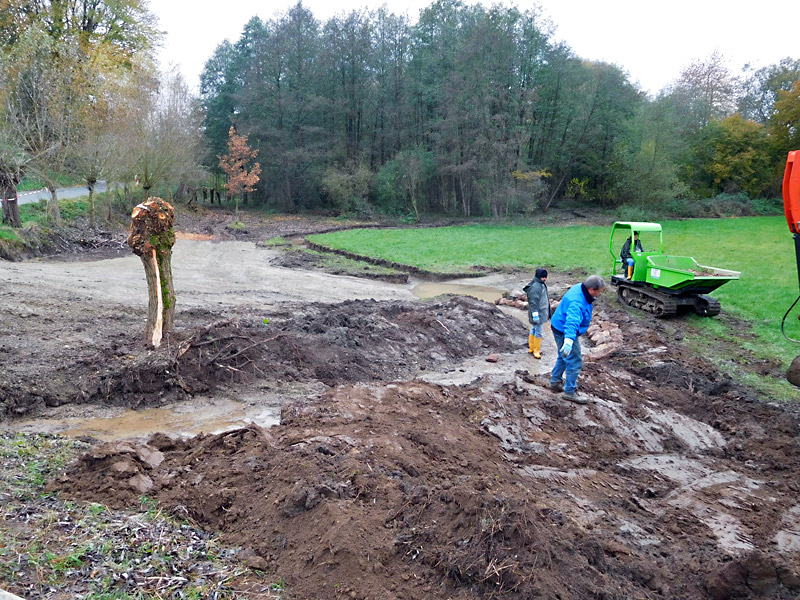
528,193
719,206
767,206
387,192
348,189
628,212
734,205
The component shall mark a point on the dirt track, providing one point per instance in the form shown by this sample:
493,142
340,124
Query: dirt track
405,465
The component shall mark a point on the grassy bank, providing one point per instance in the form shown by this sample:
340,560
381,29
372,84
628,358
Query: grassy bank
761,248
35,214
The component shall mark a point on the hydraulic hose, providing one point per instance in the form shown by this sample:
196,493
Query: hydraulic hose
783,322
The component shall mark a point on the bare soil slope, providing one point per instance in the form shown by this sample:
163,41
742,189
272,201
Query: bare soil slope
673,482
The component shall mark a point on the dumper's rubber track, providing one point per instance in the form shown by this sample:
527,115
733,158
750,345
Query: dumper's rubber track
706,306
664,305
648,300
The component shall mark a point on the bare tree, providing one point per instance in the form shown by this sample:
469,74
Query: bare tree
41,106
97,154
160,132
706,90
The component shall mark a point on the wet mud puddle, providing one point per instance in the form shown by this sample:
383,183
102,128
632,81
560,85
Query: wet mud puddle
180,419
481,292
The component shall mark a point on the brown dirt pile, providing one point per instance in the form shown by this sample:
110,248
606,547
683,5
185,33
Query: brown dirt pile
673,483
348,342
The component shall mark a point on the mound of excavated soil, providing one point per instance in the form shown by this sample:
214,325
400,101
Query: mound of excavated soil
358,340
672,483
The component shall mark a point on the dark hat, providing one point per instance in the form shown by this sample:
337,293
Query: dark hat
541,273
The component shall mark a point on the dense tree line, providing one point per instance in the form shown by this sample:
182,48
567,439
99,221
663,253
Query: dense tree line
474,110
468,111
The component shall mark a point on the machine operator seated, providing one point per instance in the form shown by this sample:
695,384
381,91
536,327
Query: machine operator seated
627,257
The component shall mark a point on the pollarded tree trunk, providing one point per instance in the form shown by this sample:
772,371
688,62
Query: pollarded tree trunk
151,237
11,212
8,194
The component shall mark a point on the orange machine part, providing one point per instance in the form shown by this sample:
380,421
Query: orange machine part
791,191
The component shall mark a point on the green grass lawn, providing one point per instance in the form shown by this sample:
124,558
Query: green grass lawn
761,248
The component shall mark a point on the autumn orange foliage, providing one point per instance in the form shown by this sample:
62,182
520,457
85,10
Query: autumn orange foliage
235,165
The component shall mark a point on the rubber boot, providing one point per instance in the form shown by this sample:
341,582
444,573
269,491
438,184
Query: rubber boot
531,344
537,347
630,272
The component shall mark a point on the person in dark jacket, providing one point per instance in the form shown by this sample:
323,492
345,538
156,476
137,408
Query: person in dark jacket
625,253
571,320
538,310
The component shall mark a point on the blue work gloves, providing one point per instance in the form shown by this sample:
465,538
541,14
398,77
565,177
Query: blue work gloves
566,349
535,317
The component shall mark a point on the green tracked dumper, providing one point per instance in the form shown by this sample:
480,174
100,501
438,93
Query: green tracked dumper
659,283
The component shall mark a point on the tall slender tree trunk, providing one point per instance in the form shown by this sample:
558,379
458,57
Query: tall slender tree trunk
92,209
465,201
574,154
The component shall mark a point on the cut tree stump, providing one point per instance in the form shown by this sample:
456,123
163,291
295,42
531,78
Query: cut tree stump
151,238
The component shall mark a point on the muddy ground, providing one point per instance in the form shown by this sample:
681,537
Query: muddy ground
406,465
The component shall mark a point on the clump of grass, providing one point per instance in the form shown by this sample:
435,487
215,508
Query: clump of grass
339,264
72,209
29,461
276,242
8,233
335,261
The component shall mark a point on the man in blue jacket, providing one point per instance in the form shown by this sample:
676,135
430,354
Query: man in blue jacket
571,320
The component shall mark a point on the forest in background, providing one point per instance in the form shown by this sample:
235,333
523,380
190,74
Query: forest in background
478,111
470,111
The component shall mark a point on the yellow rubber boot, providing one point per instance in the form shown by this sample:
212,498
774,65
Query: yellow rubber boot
537,347
531,344
630,272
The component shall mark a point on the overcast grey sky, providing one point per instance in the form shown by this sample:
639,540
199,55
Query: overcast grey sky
652,41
